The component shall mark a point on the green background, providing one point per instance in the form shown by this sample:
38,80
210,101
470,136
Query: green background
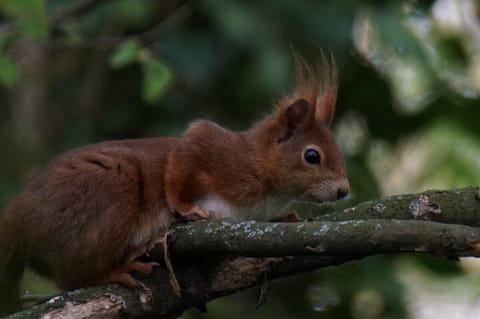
407,112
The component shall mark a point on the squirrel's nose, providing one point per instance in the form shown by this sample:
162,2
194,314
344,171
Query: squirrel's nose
342,192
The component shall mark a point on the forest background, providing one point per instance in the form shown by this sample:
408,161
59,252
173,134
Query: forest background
75,72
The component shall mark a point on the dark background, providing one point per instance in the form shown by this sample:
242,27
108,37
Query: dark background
78,72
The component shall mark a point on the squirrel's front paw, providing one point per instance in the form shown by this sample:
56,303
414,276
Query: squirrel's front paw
197,213
290,217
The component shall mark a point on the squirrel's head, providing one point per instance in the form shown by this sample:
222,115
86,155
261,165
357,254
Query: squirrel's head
304,160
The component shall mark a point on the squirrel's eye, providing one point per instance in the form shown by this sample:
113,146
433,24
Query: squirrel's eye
311,156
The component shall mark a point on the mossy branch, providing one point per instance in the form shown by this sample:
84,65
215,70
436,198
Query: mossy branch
216,258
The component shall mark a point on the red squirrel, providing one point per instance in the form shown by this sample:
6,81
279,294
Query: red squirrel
86,218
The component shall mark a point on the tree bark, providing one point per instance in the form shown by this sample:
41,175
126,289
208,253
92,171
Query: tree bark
216,258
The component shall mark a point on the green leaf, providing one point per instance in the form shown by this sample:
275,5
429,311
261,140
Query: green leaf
8,70
156,79
126,54
131,13
29,16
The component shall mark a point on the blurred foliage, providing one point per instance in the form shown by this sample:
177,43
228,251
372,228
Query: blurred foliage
74,72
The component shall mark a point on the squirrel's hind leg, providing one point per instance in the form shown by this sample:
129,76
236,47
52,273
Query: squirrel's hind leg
121,274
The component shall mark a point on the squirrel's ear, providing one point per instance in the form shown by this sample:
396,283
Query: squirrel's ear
293,115
325,105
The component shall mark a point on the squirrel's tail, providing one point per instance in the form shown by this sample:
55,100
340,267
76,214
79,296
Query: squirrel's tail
12,265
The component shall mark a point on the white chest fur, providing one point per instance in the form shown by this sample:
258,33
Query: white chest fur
263,210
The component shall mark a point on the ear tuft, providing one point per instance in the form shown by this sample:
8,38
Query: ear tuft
294,115
318,86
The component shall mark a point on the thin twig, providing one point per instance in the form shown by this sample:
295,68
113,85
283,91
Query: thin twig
73,10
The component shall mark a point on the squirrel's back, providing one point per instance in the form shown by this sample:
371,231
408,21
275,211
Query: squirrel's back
83,214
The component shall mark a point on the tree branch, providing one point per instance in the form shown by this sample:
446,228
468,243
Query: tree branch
213,259
457,206
345,238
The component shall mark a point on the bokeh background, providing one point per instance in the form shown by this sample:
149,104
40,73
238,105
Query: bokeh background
74,72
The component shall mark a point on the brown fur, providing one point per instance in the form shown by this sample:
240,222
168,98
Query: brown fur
86,216
93,210
266,160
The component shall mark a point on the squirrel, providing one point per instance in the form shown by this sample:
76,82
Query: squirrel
86,218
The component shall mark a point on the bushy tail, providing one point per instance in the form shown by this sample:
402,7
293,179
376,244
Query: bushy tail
12,264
